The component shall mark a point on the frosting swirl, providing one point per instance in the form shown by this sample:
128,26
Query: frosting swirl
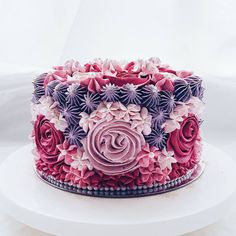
112,147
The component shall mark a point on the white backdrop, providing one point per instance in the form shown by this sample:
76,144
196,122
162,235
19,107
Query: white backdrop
188,34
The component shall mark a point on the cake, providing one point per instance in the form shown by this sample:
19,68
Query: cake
117,129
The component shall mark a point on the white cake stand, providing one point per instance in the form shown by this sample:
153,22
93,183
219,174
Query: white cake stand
33,202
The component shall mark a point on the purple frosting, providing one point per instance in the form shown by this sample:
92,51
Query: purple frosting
167,101
71,113
75,94
60,93
157,138
130,93
89,102
74,134
150,96
50,87
110,93
159,116
182,90
195,83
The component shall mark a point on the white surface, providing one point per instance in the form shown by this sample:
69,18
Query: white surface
189,34
34,32
54,211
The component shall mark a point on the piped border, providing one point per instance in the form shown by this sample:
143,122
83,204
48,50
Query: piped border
137,191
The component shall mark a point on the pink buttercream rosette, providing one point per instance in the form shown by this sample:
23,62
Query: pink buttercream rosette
112,147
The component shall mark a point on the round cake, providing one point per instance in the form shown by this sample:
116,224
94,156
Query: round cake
117,129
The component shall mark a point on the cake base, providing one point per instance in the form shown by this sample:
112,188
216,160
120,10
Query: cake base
35,203
139,191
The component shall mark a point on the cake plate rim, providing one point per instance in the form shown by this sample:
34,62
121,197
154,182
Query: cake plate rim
26,201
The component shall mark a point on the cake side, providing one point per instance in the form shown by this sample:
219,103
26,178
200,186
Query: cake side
110,125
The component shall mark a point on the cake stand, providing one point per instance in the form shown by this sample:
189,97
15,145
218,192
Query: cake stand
33,202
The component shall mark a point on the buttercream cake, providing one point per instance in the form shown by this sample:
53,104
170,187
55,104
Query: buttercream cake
117,129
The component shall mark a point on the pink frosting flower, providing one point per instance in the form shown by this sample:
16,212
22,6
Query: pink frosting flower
47,138
183,73
182,140
139,117
147,156
112,147
58,74
149,168
57,170
94,84
166,159
163,83
72,67
67,152
79,177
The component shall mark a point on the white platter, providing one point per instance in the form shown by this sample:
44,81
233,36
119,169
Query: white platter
33,202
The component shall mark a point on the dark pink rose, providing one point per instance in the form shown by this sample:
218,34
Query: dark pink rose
182,140
112,147
47,138
95,84
92,67
167,69
123,78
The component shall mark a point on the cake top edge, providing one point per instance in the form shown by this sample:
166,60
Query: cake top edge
98,73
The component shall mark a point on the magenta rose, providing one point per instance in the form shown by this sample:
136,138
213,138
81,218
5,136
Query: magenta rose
112,147
47,137
123,78
182,140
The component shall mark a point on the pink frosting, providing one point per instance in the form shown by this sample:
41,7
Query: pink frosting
112,147
94,84
163,83
182,140
55,75
123,78
57,170
47,137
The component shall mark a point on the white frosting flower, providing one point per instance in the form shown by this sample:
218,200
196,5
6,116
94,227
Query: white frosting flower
80,160
47,108
165,159
142,121
139,118
195,106
59,122
176,116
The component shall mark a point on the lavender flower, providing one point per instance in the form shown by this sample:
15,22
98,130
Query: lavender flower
182,90
71,113
167,101
60,93
110,93
75,94
74,135
39,81
50,87
130,94
38,88
157,138
90,102
195,84
159,116
150,96
38,93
